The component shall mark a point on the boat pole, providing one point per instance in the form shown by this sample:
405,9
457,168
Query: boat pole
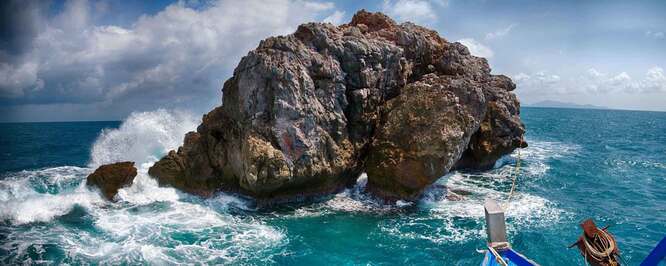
495,223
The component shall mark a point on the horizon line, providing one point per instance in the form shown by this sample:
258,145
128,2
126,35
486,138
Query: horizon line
601,108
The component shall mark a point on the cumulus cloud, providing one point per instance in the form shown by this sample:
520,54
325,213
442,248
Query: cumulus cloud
655,80
544,77
15,78
520,77
541,82
476,48
416,11
620,78
594,73
655,34
500,33
336,18
592,82
180,55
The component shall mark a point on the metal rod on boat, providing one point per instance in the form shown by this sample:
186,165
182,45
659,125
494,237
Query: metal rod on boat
497,242
495,224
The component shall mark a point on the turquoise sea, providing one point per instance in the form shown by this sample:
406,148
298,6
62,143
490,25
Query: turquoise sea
605,164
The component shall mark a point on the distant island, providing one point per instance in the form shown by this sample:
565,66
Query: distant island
557,104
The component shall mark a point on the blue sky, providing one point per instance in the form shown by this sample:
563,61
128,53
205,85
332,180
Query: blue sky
102,60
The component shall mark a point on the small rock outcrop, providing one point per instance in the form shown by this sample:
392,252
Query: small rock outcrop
111,177
305,114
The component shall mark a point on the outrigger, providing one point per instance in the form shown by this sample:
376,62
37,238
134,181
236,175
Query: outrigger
499,251
657,255
597,246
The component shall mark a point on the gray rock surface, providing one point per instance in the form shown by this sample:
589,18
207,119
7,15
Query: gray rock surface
305,114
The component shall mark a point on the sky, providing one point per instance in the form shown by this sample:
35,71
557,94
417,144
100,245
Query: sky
102,60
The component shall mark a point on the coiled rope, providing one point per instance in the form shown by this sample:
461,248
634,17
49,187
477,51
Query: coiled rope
601,247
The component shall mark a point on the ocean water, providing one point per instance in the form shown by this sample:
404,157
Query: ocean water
609,165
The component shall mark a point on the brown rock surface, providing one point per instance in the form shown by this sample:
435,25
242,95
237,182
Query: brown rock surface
305,114
501,130
111,177
425,131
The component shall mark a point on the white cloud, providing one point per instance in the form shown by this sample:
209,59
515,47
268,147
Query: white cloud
655,80
655,74
416,11
15,78
178,54
620,78
317,6
476,48
594,73
521,77
541,83
655,34
593,82
336,18
500,33
548,78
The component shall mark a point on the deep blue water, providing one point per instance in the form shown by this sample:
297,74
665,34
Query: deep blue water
605,164
38,145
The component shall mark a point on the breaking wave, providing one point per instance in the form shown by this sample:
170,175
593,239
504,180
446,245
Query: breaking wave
142,137
53,209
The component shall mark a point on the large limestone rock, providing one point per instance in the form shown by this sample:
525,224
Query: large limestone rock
111,177
424,132
305,114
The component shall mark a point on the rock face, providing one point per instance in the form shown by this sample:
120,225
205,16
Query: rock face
111,177
424,132
306,114
501,130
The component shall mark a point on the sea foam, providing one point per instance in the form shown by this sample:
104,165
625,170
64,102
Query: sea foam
42,195
149,224
142,137
458,220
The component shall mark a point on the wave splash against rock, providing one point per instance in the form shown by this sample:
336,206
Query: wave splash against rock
306,114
